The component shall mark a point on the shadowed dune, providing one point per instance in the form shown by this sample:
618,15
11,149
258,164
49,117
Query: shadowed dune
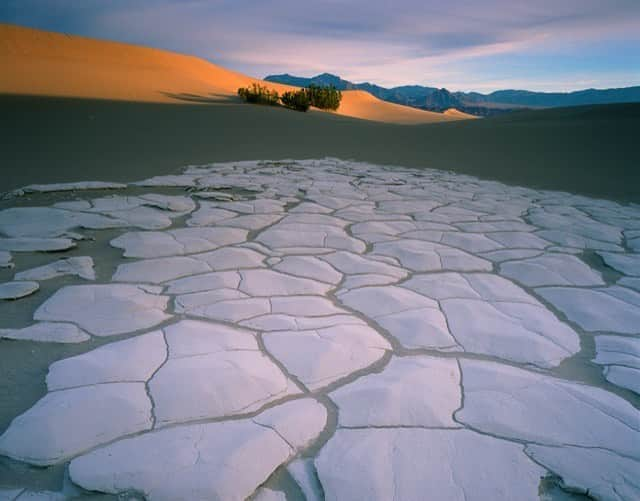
591,150
53,64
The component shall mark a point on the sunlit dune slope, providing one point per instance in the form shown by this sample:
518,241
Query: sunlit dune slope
38,62
454,112
361,104
45,63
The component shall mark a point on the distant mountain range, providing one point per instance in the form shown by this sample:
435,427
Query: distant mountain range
434,99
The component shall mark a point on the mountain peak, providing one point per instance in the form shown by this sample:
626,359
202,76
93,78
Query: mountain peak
327,75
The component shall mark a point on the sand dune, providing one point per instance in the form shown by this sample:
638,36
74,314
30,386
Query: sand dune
361,104
46,63
43,63
454,112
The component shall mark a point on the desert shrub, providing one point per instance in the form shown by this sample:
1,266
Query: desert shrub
258,94
298,100
325,98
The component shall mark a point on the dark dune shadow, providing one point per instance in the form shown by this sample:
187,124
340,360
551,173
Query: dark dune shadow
592,150
202,99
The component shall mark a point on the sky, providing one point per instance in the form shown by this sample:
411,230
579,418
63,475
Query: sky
480,45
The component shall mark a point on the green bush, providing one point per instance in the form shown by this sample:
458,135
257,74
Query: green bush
298,100
325,98
258,94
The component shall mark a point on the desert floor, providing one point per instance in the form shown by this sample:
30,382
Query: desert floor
586,150
317,329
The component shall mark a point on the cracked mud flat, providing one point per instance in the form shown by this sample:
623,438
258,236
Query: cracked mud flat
318,329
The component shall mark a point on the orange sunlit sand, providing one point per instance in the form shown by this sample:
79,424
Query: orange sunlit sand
54,64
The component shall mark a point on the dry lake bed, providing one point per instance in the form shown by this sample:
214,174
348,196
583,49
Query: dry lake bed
318,329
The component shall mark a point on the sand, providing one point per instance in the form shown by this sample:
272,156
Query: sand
361,104
53,64
588,150
453,112
128,112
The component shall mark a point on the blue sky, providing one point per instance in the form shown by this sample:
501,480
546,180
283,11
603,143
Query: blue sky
482,45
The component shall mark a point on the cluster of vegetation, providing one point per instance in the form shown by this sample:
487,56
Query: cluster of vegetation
325,98
259,94
298,100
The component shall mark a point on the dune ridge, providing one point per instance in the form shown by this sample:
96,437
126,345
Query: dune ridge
454,112
42,63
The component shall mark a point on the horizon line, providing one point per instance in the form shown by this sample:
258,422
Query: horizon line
213,61
515,89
